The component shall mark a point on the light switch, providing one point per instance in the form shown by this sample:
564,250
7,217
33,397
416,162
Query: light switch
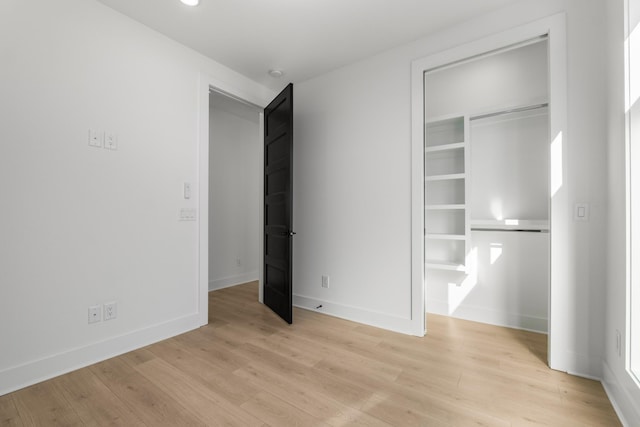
581,212
187,190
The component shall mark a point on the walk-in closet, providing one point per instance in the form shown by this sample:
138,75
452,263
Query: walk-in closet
486,188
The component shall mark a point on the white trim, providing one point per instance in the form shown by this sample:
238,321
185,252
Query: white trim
230,281
628,191
492,317
261,212
627,381
206,83
36,371
555,27
418,307
583,365
627,408
355,314
203,199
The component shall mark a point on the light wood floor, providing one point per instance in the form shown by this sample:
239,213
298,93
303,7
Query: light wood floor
248,368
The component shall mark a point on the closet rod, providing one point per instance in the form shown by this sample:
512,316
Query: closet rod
512,110
519,230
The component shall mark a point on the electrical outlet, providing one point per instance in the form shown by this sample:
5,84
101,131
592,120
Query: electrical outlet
110,310
110,141
187,214
95,314
238,262
96,138
325,282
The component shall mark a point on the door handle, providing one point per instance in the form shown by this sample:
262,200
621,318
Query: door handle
292,233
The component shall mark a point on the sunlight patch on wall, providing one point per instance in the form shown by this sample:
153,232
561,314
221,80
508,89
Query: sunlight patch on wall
495,252
458,292
632,68
496,209
556,164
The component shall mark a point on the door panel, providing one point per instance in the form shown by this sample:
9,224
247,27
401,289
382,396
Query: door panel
278,177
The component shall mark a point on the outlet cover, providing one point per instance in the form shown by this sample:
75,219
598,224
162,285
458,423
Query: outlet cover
110,141
325,282
187,214
110,311
95,314
581,212
96,138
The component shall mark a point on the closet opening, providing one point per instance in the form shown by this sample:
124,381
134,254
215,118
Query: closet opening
470,184
487,193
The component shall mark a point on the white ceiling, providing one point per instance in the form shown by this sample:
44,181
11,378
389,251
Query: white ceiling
305,38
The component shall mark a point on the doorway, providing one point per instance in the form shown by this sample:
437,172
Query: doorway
234,191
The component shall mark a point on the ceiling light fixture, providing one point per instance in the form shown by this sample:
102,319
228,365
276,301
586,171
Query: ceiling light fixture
190,2
276,73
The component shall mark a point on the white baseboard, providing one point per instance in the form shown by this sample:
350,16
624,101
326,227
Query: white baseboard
584,366
36,371
627,408
238,279
492,317
355,314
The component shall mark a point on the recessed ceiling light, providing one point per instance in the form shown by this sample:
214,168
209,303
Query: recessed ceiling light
276,73
190,2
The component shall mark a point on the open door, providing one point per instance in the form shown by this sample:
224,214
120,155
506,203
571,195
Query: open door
278,177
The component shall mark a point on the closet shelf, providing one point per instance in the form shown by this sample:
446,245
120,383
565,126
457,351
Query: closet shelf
446,169
444,147
441,236
441,265
445,177
444,207
510,224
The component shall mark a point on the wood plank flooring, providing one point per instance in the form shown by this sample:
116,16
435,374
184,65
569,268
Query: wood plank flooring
249,368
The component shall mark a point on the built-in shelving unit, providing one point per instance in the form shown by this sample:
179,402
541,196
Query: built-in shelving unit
447,231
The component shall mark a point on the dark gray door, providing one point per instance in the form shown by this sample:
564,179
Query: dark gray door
278,177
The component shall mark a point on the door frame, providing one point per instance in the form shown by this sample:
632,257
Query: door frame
560,213
207,83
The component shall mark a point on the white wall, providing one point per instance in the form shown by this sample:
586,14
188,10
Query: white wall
235,166
618,382
83,225
513,78
352,178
